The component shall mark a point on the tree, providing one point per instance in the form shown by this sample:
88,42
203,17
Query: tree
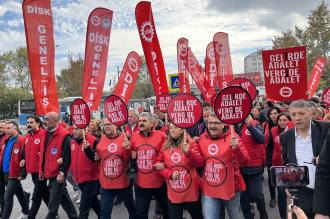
70,79
14,68
316,38
143,87
9,100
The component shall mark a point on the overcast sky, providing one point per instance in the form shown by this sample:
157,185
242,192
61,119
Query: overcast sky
251,24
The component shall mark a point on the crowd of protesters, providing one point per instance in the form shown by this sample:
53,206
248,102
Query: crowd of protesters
204,170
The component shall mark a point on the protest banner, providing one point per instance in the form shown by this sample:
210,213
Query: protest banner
115,110
210,81
246,84
285,73
326,96
314,78
80,113
184,110
162,102
38,23
128,77
232,105
182,53
222,59
96,56
151,48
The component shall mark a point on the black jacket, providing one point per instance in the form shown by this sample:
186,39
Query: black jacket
319,132
321,199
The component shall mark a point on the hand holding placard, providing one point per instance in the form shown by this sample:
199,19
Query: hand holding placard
185,145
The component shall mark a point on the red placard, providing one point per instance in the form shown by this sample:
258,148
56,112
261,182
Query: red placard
232,105
115,110
315,76
326,96
246,84
162,102
184,110
285,73
80,113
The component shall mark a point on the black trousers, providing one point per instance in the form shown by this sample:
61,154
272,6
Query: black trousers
14,187
305,201
253,193
175,210
143,198
59,195
88,200
40,192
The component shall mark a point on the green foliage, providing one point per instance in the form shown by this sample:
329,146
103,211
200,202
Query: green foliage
316,38
14,69
9,100
69,82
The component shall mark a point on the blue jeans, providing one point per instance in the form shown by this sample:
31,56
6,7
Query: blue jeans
212,206
108,197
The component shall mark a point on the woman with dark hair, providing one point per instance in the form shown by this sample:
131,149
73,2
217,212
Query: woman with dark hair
177,161
274,156
266,127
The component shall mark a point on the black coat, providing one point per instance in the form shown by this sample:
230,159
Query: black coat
319,132
321,203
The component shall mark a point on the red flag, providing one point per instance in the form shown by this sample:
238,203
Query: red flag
285,73
210,72
38,24
96,55
182,51
149,40
128,77
196,71
314,78
222,59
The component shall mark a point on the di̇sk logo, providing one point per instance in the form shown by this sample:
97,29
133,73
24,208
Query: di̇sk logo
133,65
286,92
218,48
106,23
277,139
183,50
95,20
175,157
247,132
213,149
210,54
37,141
16,151
147,31
112,147
53,151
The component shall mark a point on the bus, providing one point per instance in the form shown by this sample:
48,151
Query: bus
27,108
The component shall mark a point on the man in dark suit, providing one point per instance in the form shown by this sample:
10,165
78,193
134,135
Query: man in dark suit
321,202
301,145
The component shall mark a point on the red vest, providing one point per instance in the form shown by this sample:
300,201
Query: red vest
277,149
147,149
32,150
186,188
257,152
114,162
218,175
82,168
129,131
52,152
16,156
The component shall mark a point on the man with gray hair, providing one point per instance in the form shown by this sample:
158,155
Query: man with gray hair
133,120
146,145
301,145
55,159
